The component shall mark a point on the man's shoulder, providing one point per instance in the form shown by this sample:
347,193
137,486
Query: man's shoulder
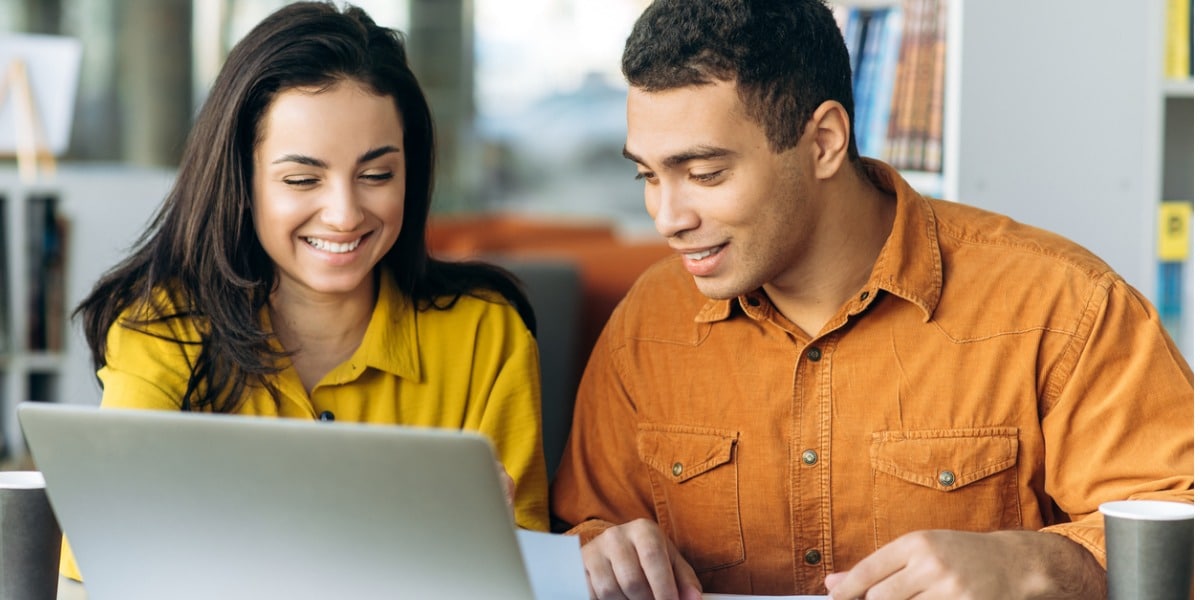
974,231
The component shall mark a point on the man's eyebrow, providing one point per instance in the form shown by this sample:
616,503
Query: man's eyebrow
697,153
367,156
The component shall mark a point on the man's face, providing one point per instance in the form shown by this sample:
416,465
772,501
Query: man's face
739,214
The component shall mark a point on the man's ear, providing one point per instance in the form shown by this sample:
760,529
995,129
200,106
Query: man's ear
830,130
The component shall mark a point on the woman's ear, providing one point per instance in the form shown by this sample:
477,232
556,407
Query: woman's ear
830,132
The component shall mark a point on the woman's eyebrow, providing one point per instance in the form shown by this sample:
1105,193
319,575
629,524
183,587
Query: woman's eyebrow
302,159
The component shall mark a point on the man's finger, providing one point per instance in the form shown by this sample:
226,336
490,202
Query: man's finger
685,577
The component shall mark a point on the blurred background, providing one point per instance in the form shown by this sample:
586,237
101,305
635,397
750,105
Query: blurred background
1085,128
527,95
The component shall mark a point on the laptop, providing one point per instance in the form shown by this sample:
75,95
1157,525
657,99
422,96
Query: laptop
190,506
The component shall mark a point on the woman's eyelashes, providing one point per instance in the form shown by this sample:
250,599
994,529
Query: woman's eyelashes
378,177
308,181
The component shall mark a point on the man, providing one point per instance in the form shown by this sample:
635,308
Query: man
841,386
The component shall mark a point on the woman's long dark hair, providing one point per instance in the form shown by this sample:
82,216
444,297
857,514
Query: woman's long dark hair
201,249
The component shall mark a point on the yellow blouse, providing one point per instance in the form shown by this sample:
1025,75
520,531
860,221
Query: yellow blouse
473,366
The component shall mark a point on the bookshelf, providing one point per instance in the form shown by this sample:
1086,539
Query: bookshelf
103,208
1059,115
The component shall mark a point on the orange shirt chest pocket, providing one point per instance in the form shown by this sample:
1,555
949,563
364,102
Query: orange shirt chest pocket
960,479
693,477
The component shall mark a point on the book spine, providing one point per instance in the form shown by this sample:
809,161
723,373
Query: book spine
1178,39
937,101
878,116
901,89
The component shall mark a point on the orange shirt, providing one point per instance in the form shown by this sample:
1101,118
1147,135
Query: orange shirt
988,376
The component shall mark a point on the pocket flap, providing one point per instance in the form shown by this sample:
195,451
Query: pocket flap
680,452
944,459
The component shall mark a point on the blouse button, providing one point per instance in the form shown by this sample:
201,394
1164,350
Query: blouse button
325,415
812,557
813,354
946,478
677,469
809,457
864,295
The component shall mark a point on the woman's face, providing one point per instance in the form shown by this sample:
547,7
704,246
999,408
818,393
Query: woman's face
328,187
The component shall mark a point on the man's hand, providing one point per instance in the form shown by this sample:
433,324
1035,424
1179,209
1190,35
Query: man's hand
973,566
636,561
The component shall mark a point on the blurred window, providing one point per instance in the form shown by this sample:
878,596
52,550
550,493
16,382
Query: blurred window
550,107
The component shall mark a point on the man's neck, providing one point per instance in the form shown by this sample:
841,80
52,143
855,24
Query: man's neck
854,228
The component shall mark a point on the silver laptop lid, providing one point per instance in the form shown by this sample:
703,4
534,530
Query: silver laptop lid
161,504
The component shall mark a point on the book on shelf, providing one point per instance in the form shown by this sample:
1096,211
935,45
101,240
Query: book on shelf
45,273
873,39
910,147
1174,251
897,60
902,91
1179,39
880,74
932,156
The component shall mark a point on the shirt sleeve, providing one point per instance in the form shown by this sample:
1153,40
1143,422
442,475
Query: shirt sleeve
143,370
512,418
600,481
1120,423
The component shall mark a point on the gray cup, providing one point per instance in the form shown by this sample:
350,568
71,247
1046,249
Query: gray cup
30,540
1149,547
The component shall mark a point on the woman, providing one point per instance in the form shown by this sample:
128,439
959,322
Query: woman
287,274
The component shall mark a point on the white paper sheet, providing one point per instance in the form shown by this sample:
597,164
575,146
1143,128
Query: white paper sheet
554,564
555,567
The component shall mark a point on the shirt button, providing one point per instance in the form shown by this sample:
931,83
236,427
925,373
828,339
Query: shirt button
677,469
325,415
812,557
864,295
809,457
946,478
813,354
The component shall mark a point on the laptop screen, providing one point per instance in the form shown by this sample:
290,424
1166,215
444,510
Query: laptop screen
217,506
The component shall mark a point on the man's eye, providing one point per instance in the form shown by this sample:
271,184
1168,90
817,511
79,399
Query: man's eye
707,177
644,175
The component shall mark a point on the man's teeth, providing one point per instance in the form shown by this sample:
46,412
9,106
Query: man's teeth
702,254
333,247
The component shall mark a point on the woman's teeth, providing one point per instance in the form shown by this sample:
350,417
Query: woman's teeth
328,246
